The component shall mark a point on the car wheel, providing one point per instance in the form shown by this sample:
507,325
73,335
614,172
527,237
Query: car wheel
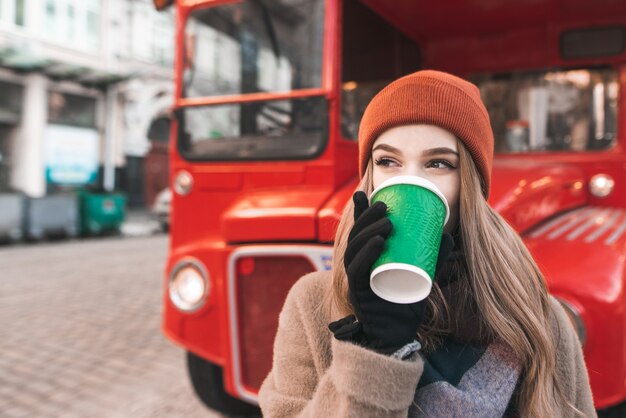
208,384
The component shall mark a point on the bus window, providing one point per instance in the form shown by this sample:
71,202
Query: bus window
254,46
266,130
553,110
374,53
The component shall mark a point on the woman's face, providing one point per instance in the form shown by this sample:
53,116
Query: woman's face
426,151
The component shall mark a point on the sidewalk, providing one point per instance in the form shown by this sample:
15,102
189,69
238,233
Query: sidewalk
81,333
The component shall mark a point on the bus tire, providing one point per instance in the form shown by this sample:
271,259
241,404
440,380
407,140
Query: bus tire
617,411
208,384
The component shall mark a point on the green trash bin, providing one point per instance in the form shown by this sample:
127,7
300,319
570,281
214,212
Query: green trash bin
101,213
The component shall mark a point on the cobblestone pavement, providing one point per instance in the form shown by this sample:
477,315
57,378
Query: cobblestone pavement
80,332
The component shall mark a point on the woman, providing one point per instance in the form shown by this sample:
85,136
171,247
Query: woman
488,341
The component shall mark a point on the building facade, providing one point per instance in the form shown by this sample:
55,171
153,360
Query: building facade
82,84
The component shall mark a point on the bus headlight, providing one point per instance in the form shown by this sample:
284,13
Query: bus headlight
189,285
601,185
575,319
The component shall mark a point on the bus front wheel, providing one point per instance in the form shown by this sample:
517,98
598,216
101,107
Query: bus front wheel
208,384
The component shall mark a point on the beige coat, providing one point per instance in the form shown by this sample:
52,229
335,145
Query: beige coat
315,375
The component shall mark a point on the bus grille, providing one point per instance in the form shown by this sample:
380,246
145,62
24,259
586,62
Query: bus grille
262,283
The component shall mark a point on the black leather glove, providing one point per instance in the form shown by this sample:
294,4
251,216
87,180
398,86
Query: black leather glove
382,326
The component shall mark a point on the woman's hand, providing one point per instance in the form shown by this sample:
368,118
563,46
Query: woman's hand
383,326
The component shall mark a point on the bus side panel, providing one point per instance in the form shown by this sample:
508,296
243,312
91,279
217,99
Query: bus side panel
581,254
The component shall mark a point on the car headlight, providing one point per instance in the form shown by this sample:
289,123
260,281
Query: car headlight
189,285
576,320
183,183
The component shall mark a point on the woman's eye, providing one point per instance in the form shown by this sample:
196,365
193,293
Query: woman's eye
384,162
441,164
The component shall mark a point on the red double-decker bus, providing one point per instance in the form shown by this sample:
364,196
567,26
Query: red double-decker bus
269,95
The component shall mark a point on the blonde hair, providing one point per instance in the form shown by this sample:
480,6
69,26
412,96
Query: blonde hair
499,283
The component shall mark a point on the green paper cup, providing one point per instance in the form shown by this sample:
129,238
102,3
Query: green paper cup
418,211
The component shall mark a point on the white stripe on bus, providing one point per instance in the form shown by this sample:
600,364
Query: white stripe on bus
572,222
592,221
558,220
608,224
616,234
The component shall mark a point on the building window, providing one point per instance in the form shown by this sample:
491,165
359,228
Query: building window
71,110
71,17
73,23
10,102
93,28
12,12
162,40
152,34
10,110
50,17
19,12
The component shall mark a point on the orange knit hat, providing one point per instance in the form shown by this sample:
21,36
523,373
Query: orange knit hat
435,98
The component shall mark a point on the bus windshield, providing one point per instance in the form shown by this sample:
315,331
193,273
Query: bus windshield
253,46
266,130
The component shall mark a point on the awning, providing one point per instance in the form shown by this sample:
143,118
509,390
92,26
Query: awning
25,60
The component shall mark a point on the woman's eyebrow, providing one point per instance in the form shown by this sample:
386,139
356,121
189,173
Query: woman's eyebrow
428,152
389,148
439,151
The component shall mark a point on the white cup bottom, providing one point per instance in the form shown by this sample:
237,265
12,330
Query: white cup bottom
400,283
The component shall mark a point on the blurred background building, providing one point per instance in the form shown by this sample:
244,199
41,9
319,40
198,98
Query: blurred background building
85,91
